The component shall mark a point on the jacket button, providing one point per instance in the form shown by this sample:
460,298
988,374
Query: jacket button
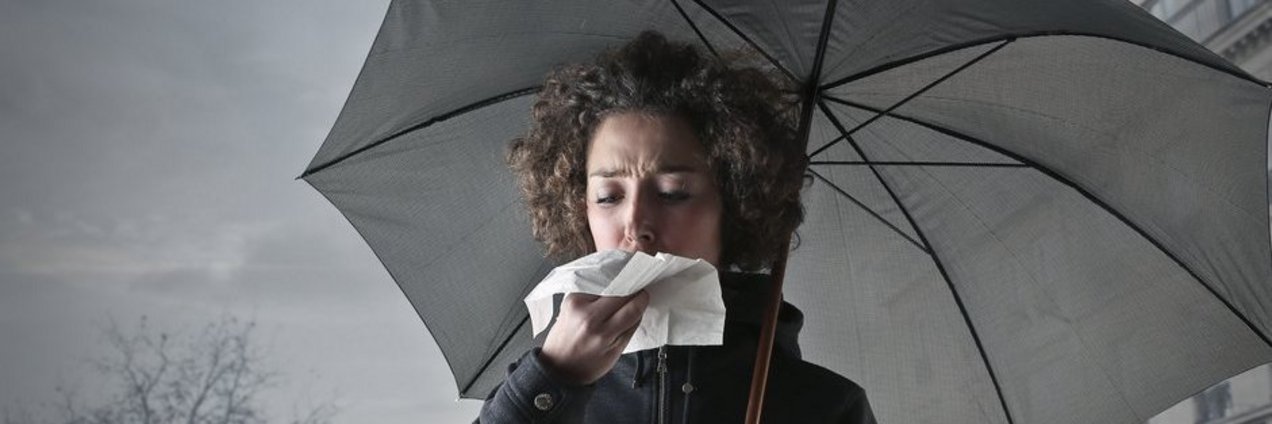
543,401
687,388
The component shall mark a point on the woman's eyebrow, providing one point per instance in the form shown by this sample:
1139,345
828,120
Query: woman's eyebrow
676,169
662,169
606,173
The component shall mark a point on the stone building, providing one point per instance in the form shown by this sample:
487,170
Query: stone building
1240,31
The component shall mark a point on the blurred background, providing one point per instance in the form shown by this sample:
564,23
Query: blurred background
153,238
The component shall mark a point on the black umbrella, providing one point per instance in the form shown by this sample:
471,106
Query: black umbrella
1021,211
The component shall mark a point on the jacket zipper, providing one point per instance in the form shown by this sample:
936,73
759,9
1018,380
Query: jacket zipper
662,385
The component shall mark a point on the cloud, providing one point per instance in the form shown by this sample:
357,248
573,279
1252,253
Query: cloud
72,247
151,148
23,217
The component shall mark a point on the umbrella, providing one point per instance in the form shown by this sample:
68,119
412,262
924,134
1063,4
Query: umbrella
1020,211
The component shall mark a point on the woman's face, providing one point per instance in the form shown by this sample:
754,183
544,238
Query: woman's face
649,188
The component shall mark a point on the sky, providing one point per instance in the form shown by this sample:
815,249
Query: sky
150,155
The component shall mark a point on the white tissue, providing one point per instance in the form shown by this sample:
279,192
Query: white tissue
685,304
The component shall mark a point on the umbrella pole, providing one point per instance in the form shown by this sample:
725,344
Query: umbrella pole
764,349
768,330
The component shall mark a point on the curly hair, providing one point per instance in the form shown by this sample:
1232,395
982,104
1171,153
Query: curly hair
745,118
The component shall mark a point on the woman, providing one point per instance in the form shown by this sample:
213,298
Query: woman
657,147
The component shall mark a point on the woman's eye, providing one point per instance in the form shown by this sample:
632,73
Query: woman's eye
606,199
674,196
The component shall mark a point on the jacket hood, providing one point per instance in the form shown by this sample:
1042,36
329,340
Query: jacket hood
744,296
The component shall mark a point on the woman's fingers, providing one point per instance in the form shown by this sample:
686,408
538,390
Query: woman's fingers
630,312
611,314
604,306
620,342
578,300
590,333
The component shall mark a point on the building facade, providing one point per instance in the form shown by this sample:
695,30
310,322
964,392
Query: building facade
1240,31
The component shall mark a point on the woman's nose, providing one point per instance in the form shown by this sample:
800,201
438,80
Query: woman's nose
642,217
640,235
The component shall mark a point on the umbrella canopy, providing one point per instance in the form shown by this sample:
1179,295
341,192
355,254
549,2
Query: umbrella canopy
1021,211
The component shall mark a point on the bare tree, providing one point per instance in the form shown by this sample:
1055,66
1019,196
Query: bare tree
213,376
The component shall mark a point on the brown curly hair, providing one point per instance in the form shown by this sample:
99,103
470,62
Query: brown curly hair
744,116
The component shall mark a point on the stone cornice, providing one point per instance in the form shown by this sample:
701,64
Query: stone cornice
1245,36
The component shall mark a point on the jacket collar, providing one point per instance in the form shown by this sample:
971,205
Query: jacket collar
744,297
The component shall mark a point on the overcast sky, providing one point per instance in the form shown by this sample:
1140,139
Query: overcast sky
149,155
150,150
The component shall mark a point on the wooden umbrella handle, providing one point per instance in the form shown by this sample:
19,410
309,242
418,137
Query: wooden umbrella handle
768,330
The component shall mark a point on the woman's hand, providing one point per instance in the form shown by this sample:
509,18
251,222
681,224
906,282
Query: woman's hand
590,334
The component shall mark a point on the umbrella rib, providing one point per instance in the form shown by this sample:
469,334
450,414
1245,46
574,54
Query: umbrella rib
810,92
913,95
695,28
937,52
748,40
543,268
833,140
439,118
936,259
392,275
1060,178
898,163
871,212
491,359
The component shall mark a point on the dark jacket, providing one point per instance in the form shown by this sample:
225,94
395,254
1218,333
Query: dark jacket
682,384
